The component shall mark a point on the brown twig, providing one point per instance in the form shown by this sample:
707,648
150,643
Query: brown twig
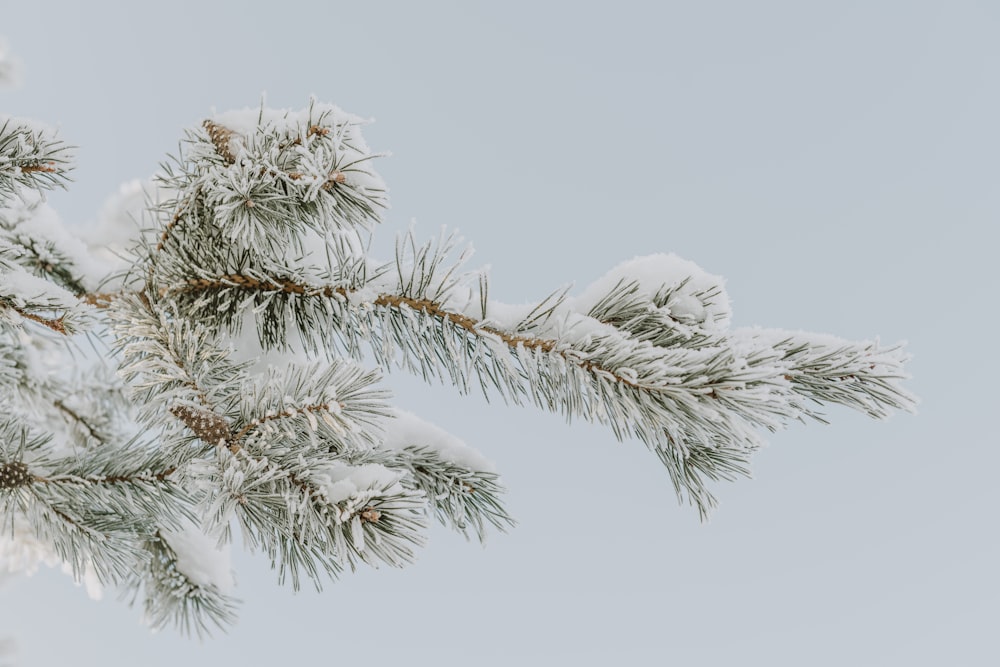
44,167
100,299
109,479
58,325
396,301
75,416
173,222
427,306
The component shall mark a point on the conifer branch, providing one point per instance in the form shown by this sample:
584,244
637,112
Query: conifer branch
396,302
57,324
265,220
77,418
172,596
138,478
30,157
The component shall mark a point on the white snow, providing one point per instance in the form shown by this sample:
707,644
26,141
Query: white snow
21,552
653,273
503,316
344,127
246,121
24,288
405,429
340,481
119,221
200,559
31,216
344,150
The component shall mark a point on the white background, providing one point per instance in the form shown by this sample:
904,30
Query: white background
837,162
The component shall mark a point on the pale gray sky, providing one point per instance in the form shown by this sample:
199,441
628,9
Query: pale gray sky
836,161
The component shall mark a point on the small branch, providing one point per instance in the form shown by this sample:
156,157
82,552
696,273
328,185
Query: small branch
396,301
196,419
56,325
76,418
16,473
44,167
106,479
173,222
73,522
291,412
100,299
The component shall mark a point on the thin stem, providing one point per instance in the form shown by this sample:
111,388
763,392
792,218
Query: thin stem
44,167
432,308
56,325
78,419
189,382
318,407
105,479
396,301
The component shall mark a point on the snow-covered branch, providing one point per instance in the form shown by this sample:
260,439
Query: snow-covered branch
661,367
235,398
31,156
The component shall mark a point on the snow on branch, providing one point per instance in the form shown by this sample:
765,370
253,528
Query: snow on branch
90,510
266,177
31,156
462,487
27,297
39,243
234,399
186,582
645,350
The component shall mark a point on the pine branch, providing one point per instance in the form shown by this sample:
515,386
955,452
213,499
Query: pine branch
35,240
30,157
24,296
78,419
677,399
613,376
172,362
267,218
301,518
172,597
91,510
271,479
53,324
460,498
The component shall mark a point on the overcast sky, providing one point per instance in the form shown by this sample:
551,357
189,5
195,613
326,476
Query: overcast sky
837,162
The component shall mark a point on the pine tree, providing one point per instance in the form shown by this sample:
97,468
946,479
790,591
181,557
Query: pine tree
225,386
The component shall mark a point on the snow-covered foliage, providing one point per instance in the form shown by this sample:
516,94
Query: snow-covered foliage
238,307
